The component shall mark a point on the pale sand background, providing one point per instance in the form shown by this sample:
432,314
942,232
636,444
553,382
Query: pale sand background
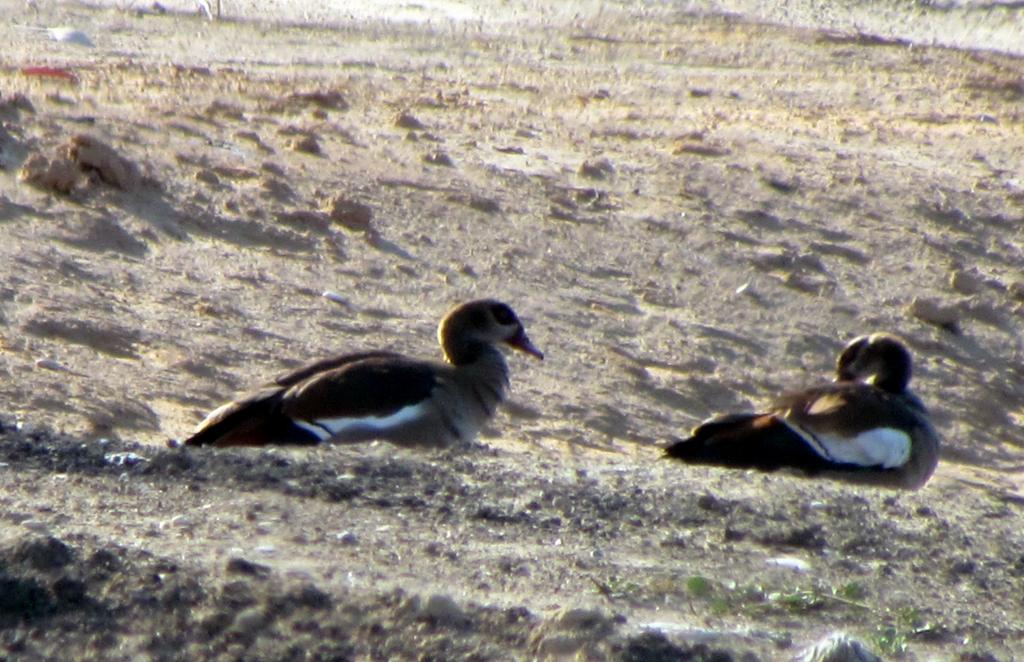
754,197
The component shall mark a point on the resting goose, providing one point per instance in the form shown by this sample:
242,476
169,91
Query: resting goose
866,427
383,395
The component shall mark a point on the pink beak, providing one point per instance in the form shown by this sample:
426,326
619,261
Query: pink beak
521,342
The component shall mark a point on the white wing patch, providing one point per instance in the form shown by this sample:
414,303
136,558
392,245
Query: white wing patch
325,428
885,447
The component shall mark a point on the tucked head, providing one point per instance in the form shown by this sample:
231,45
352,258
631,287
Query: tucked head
470,326
880,359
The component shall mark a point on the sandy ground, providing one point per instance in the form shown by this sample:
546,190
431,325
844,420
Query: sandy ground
690,213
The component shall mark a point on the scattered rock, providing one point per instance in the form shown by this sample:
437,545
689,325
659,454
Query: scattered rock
92,155
331,295
966,281
572,631
763,220
442,609
12,107
305,220
838,647
224,109
853,255
653,646
58,175
700,149
23,599
325,99
306,144
181,522
350,214
406,120
272,168
781,184
126,459
348,538
50,364
248,623
39,526
310,597
237,174
239,566
439,158
276,189
253,137
597,169
933,312
208,177
806,283
486,205
45,554
69,591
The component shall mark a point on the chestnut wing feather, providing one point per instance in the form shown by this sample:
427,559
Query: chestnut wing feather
311,368
377,386
847,409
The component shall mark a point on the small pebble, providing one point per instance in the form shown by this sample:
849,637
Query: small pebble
597,169
348,538
307,145
181,522
335,297
70,36
932,312
442,608
439,159
966,282
124,459
838,647
407,120
790,562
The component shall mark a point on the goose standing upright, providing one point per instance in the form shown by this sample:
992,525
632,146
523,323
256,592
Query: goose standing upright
383,395
866,427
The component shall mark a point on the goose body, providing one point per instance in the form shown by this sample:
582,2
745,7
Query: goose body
866,427
383,395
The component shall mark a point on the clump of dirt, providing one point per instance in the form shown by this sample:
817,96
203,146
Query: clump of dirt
74,163
481,538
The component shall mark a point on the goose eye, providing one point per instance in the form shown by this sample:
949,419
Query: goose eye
503,314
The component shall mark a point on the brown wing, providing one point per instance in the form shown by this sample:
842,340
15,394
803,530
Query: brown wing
254,419
307,370
747,441
846,409
377,385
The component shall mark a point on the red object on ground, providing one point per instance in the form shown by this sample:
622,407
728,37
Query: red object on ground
49,72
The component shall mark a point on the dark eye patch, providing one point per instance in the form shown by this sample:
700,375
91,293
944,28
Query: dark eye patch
503,314
478,318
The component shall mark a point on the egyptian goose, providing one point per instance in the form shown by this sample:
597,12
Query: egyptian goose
383,395
866,427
